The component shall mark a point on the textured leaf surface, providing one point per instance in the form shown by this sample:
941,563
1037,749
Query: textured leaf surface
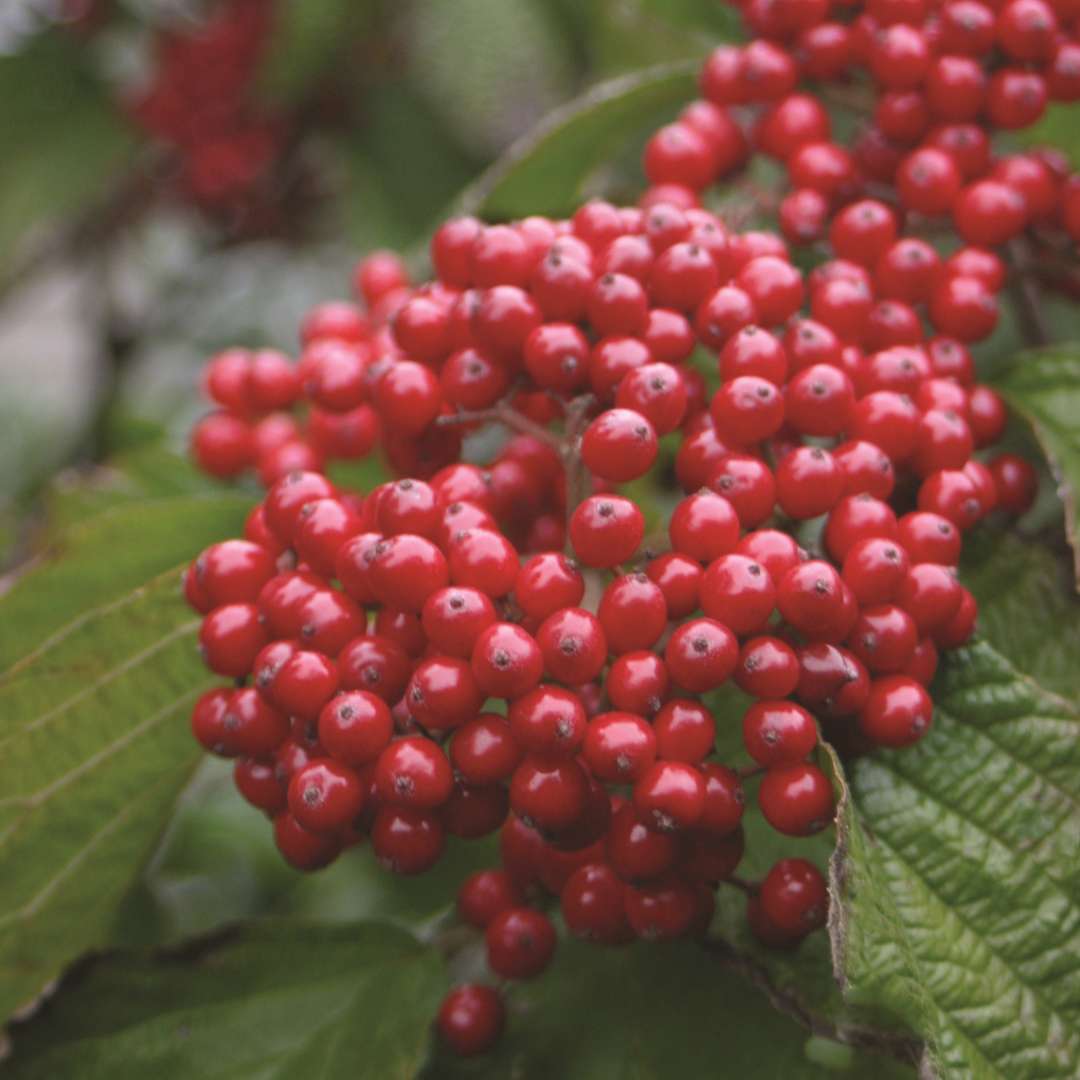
960,873
1045,388
269,1002
546,170
106,556
651,1012
801,981
94,740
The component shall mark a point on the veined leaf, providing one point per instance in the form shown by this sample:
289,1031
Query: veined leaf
957,878
94,740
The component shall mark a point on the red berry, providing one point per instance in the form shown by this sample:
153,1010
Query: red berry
355,726
301,848
633,613
484,750
767,668
701,655
898,711
413,772
324,795
1015,481
670,795
738,592
808,482
794,897
520,943
471,1019
618,747
796,800
507,661
685,731
485,560
778,733
619,445
573,646
406,840
605,530
592,903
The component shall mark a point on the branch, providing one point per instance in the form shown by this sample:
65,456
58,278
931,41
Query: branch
900,1047
503,414
1026,295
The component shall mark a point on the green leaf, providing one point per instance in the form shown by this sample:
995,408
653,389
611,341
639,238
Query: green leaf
488,68
957,877
272,1001
1044,387
1012,577
101,668
106,557
307,41
69,135
545,172
803,977
655,1011
1057,128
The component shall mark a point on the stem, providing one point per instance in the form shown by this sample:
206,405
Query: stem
1027,297
909,1051
751,888
503,414
578,480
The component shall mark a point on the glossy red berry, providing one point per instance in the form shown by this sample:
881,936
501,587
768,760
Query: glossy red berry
738,592
471,1019
413,772
619,747
794,897
325,795
592,904
633,613
670,795
778,732
520,943
355,727
605,530
898,711
797,800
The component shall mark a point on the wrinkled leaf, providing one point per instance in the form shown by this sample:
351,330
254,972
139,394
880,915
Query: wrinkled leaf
271,1001
1044,387
546,170
803,977
959,873
94,738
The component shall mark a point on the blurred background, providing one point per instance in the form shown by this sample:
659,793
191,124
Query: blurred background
181,175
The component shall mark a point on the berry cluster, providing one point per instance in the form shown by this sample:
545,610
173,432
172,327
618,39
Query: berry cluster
199,103
944,76
490,643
